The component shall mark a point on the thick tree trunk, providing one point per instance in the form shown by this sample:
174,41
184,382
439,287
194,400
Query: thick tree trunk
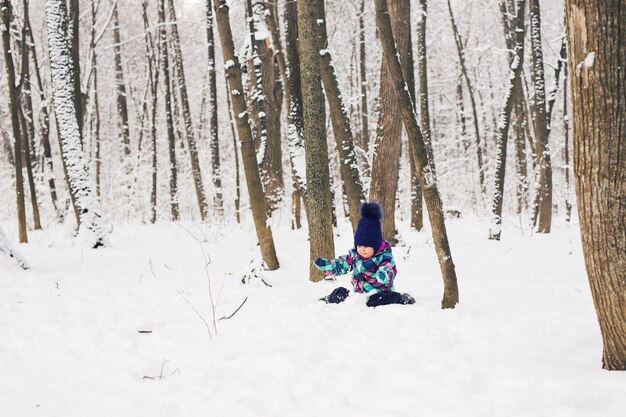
597,52
566,158
216,173
171,140
317,172
341,122
251,168
386,160
418,150
91,228
543,201
189,132
479,144
513,90
5,12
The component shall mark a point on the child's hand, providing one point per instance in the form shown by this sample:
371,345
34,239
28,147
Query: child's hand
325,266
321,262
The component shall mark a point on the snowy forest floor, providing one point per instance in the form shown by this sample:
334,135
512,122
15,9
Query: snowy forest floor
524,341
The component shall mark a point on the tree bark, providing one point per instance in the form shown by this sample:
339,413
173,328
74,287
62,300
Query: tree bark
364,137
91,229
341,122
171,140
216,173
513,90
543,201
5,11
597,52
74,42
122,105
295,119
386,159
317,172
5,245
191,140
251,168
418,150
266,103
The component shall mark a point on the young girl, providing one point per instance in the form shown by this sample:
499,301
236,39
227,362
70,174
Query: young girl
371,262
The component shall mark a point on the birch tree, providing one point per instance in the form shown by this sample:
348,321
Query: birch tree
595,32
91,228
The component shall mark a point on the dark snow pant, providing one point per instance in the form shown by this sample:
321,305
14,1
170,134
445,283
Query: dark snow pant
379,299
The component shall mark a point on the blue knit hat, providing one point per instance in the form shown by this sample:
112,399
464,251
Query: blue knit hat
369,232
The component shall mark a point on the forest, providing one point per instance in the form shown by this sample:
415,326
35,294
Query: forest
174,167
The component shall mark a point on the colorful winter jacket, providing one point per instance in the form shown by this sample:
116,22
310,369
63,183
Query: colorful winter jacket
374,274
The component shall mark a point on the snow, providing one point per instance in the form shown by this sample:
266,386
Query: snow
523,342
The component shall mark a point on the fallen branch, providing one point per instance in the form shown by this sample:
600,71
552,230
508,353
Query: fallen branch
226,318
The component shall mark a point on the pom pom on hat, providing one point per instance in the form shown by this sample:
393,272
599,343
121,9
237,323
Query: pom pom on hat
369,231
371,211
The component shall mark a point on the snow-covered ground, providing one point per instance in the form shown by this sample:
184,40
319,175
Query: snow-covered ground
524,341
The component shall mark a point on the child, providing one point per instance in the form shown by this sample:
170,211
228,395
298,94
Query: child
371,262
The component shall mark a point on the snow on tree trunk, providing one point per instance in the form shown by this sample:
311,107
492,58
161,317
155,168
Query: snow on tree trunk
7,248
512,91
91,229
341,123
418,150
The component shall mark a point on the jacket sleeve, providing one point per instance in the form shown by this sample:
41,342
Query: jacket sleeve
339,266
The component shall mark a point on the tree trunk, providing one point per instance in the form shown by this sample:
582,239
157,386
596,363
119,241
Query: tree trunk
568,204
295,119
216,173
597,53
191,140
5,11
317,172
513,90
479,145
364,137
171,140
122,106
341,123
44,123
28,125
543,203
74,44
418,150
266,103
386,160
251,168
91,228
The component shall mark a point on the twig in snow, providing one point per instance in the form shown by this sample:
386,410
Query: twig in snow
208,329
244,301
151,267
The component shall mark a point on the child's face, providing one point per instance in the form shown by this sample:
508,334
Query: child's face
365,251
